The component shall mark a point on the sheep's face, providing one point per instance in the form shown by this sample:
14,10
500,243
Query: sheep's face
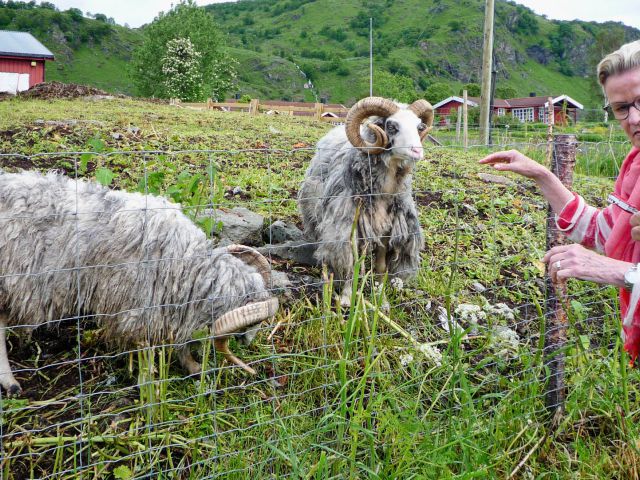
403,130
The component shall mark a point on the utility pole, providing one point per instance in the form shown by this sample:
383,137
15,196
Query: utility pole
494,71
487,57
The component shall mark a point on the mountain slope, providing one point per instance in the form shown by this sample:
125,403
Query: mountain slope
282,44
88,51
426,40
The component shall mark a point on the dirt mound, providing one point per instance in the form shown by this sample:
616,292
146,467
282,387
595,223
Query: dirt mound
51,90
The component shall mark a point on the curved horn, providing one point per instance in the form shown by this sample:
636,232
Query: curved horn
365,108
237,319
252,257
424,111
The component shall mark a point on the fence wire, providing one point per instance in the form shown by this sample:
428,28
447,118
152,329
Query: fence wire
339,392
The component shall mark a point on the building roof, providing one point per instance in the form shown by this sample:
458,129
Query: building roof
470,102
497,102
523,102
22,44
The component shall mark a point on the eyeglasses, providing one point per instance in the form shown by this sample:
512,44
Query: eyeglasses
621,110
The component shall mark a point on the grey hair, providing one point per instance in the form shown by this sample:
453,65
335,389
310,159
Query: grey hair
135,262
626,58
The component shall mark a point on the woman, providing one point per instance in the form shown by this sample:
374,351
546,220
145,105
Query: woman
607,231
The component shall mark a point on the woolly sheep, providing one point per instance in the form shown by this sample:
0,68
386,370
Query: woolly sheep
374,177
134,261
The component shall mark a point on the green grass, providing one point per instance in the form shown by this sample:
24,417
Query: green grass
335,395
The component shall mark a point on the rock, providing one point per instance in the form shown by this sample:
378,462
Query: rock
239,225
280,232
116,136
470,208
489,178
299,251
133,130
478,287
236,191
280,283
443,319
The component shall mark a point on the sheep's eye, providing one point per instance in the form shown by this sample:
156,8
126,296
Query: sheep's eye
392,128
421,127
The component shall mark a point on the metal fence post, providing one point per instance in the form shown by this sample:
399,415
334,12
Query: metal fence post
562,165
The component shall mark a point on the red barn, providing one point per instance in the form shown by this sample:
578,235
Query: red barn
22,60
526,109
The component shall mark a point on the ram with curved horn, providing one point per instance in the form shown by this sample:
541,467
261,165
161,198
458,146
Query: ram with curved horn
134,263
366,166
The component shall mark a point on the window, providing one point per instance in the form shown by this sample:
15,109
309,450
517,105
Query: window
523,114
501,112
542,114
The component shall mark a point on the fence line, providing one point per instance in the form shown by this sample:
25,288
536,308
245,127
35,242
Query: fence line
89,410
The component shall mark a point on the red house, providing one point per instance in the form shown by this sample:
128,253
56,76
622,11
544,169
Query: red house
525,109
22,61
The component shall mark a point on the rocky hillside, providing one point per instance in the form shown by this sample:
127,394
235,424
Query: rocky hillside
317,50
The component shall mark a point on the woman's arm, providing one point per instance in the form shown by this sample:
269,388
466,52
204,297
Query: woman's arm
551,187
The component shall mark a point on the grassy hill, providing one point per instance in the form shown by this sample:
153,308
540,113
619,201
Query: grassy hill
88,51
280,44
428,41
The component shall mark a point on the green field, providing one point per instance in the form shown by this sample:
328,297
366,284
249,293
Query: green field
340,393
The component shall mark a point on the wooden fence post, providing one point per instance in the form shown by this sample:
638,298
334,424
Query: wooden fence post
319,108
458,123
555,335
465,121
254,106
551,118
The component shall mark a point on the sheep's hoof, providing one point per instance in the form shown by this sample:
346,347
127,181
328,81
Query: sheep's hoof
194,368
13,389
188,362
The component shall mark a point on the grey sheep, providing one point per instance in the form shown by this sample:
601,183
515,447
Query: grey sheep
375,177
135,262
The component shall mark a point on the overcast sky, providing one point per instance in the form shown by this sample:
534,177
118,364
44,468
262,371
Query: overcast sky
139,12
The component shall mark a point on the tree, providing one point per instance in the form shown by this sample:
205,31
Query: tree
438,91
180,65
396,87
185,20
473,89
506,92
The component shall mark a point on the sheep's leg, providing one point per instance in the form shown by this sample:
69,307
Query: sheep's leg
7,380
381,256
187,360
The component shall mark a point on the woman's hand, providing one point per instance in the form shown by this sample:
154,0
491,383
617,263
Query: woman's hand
635,223
575,261
516,162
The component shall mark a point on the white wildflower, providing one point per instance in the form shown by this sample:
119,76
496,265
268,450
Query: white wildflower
431,354
504,341
396,283
500,309
471,314
406,359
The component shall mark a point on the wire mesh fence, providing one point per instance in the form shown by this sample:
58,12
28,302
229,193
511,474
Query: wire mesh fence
397,383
